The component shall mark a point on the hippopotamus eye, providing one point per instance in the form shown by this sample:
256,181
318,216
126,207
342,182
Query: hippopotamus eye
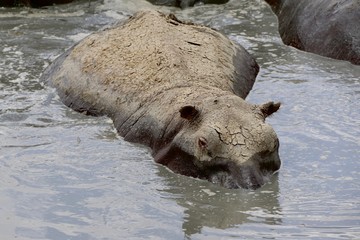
204,147
202,142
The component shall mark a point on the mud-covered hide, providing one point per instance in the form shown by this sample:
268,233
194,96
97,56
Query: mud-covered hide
178,88
32,3
185,3
151,53
329,28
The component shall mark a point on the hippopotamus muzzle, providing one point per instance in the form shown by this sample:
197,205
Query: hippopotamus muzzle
252,174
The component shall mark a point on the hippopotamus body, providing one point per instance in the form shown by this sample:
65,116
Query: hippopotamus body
185,3
326,27
177,88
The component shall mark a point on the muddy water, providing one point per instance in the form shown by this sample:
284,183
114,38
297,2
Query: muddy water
68,176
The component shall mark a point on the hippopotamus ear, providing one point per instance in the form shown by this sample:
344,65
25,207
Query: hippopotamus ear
269,108
189,112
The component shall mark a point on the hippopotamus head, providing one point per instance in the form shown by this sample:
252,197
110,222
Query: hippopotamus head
230,142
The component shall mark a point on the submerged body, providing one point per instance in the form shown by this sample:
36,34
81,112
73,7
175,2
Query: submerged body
326,27
179,89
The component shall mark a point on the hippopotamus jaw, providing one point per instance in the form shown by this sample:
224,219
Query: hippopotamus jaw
246,177
250,174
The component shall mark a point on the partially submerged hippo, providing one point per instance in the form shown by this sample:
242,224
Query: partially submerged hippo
185,3
326,27
177,88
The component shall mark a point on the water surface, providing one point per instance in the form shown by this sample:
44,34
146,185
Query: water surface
69,176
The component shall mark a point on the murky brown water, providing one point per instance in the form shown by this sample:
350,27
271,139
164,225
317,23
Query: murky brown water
68,176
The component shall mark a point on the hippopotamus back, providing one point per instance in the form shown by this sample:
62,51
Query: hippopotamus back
326,27
161,81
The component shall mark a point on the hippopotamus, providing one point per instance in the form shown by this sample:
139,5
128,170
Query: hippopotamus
185,3
326,27
177,88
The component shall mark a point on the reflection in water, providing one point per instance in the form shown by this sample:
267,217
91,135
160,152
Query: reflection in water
208,205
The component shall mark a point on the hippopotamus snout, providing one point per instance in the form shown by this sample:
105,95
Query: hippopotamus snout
252,174
257,170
